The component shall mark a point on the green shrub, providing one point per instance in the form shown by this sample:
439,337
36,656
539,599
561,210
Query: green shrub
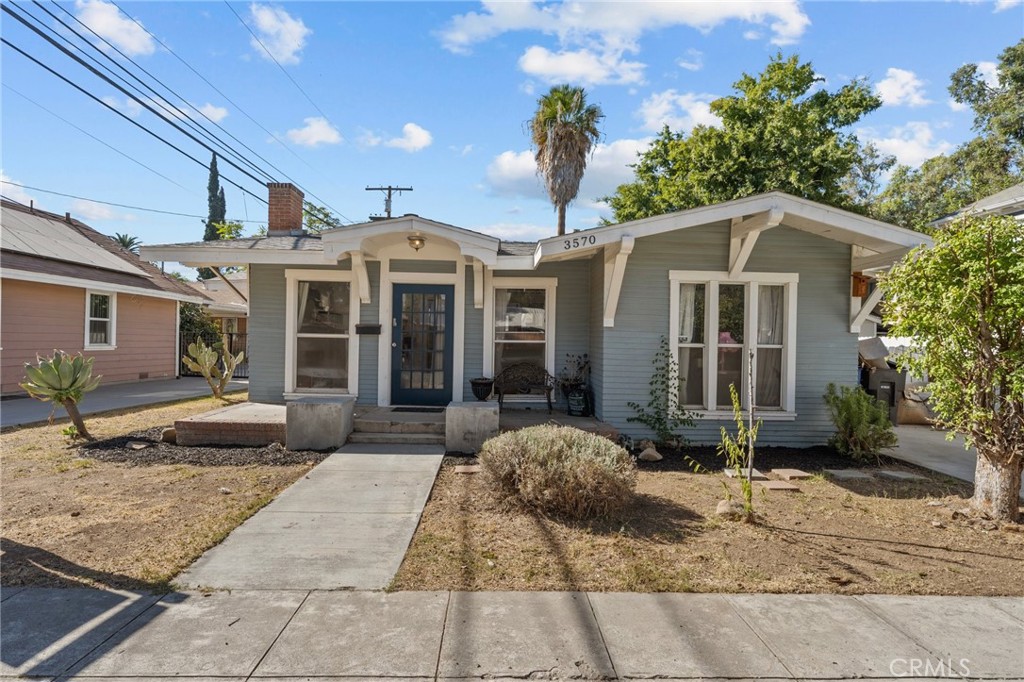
560,470
862,423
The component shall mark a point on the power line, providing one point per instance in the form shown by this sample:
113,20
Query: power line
271,55
121,114
143,103
111,203
105,144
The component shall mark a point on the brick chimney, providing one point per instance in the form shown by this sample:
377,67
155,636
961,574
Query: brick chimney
285,210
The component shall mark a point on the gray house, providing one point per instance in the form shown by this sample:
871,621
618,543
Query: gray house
406,311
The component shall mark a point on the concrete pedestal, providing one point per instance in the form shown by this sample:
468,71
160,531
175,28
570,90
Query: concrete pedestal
319,422
468,425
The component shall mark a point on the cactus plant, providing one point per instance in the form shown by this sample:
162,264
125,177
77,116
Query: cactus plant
204,360
63,379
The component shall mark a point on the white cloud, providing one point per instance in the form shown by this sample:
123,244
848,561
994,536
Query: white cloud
956,106
989,73
368,139
519,232
901,86
89,210
514,174
212,112
126,106
317,131
1006,4
580,66
106,20
414,138
911,144
13,192
680,111
465,150
751,35
693,61
283,35
593,38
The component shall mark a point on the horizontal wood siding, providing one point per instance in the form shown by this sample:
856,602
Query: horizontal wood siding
266,329
38,318
369,344
826,351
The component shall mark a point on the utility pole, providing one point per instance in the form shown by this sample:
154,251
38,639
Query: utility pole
388,191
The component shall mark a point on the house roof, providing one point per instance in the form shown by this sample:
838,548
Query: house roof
1010,201
225,301
878,244
46,247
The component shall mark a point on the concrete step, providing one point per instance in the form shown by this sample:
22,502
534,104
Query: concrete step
381,426
396,438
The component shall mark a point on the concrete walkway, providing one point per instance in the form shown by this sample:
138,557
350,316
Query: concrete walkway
544,635
20,411
928,448
346,524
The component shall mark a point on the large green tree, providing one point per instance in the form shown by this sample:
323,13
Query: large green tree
781,131
962,301
984,165
564,131
216,211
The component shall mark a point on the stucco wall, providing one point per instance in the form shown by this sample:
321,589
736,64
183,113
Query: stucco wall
37,318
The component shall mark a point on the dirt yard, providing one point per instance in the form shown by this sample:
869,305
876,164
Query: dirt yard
73,520
855,537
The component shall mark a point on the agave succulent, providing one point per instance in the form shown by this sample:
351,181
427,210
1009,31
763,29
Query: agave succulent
63,379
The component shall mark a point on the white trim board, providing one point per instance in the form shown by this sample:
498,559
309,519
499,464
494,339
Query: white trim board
60,280
112,340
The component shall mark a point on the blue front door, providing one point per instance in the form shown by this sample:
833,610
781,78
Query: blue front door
421,344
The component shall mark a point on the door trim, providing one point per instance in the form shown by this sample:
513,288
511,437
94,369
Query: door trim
387,294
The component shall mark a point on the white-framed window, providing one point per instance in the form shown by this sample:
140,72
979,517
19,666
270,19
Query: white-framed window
717,321
321,312
520,323
100,320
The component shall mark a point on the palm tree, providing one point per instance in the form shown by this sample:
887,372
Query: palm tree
564,131
128,242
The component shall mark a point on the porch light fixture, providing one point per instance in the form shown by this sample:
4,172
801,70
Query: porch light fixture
416,241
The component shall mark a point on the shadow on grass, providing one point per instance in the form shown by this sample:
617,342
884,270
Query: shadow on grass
26,565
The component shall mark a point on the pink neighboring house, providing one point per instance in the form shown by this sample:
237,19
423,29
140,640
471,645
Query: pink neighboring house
64,285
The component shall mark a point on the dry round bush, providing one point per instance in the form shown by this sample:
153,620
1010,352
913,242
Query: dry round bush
560,470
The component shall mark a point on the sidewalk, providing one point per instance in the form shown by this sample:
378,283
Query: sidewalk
549,635
17,412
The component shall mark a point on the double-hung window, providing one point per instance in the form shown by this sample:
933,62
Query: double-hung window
100,314
521,312
320,313
724,330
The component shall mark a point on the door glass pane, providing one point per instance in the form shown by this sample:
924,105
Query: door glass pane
519,314
423,341
768,382
730,371
691,313
323,307
691,376
730,313
321,363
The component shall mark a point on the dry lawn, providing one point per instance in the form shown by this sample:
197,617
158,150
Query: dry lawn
70,521
850,538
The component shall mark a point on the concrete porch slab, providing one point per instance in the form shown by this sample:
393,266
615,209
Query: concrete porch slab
495,634
45,631
362,634
964,631
220,635
652,635
837,637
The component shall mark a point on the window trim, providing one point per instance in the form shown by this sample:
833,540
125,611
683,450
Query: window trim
292,279
550,287
751,280
112,337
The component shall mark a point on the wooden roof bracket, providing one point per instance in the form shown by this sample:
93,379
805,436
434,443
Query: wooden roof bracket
615,257
744,233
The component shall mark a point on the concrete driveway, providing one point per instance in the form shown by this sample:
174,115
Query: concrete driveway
346,524
928,448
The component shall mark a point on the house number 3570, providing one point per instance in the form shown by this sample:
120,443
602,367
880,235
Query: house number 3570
579,242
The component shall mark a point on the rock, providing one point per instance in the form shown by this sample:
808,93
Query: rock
989,525
275,447
76,513
138,445
169,435
224,491
645,444
938,524
730,509
650,455
935,503
961,513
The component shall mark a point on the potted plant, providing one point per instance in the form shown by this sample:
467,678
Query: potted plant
482,387
574,385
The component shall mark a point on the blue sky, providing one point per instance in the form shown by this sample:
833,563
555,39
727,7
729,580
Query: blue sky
435,96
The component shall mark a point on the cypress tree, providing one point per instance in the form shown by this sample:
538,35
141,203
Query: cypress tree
214,201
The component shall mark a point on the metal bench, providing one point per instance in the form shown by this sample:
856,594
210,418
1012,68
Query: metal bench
523,378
